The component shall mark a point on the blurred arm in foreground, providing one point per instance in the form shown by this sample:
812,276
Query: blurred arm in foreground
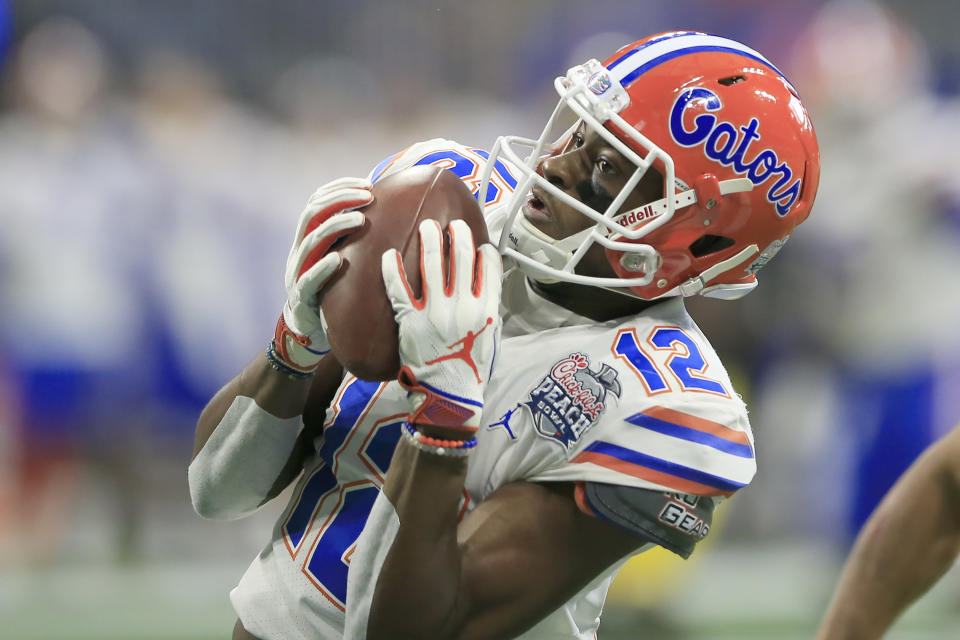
906,546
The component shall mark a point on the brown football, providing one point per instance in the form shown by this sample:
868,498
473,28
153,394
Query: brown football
360,323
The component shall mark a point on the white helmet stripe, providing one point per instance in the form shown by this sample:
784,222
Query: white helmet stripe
636,62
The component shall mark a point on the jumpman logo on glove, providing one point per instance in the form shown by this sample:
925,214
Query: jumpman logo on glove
463,352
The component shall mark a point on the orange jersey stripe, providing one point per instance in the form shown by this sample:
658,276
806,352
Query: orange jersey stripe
651,475
698,424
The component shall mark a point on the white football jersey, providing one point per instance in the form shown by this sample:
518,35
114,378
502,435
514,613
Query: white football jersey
641,401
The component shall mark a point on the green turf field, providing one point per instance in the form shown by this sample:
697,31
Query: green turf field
745,594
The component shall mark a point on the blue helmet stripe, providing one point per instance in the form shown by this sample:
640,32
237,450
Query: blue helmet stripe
636,73
668,36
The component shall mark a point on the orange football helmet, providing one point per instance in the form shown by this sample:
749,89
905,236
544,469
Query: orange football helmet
728,134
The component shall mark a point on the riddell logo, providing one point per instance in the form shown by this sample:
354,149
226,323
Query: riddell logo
632,218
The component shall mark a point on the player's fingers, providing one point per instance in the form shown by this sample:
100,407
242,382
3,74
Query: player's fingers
462,256
339,199
489,275
395,280
431,259
316,276
331,228
342,183
319,209
307,252
318,242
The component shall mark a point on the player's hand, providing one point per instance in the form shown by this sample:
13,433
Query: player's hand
301,339
448,337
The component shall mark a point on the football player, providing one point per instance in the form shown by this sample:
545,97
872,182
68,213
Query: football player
495,488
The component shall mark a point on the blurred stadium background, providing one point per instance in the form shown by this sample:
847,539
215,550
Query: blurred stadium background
155,155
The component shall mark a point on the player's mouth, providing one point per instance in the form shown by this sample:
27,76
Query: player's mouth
536,210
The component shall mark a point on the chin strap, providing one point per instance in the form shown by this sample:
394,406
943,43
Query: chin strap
540,247
655,209
696,285
552,253
555,252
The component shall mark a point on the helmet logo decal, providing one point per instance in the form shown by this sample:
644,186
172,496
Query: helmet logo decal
723,143
600,82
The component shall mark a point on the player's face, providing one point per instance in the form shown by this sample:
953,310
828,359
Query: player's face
588,168
593,172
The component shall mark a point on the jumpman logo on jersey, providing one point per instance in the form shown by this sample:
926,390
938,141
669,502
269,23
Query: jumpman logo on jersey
464,352
505,422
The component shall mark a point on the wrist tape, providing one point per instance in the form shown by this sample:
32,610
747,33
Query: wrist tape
297,351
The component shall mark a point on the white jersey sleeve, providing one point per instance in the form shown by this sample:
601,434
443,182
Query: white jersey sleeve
643,402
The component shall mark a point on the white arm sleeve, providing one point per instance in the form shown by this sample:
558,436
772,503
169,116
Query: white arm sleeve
374,543
233,473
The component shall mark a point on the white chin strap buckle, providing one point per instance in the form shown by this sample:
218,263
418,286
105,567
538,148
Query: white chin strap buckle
693,286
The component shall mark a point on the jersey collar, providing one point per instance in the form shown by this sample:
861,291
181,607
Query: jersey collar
525,311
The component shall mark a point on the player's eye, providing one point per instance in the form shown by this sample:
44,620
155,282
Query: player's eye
605,167
577,140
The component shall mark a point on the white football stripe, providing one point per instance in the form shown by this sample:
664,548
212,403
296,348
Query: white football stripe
627,65
691,454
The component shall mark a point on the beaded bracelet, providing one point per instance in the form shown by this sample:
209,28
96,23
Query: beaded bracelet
436,446
282,367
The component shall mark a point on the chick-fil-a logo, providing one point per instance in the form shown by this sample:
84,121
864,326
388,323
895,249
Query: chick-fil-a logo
723,143
570,399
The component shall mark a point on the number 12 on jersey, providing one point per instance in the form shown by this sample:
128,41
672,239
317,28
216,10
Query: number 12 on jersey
684,361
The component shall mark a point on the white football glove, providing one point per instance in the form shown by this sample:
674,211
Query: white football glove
301,339
448,337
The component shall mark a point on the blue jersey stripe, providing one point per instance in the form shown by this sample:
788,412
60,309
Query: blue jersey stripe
300,517
353,402
663,466
692,435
